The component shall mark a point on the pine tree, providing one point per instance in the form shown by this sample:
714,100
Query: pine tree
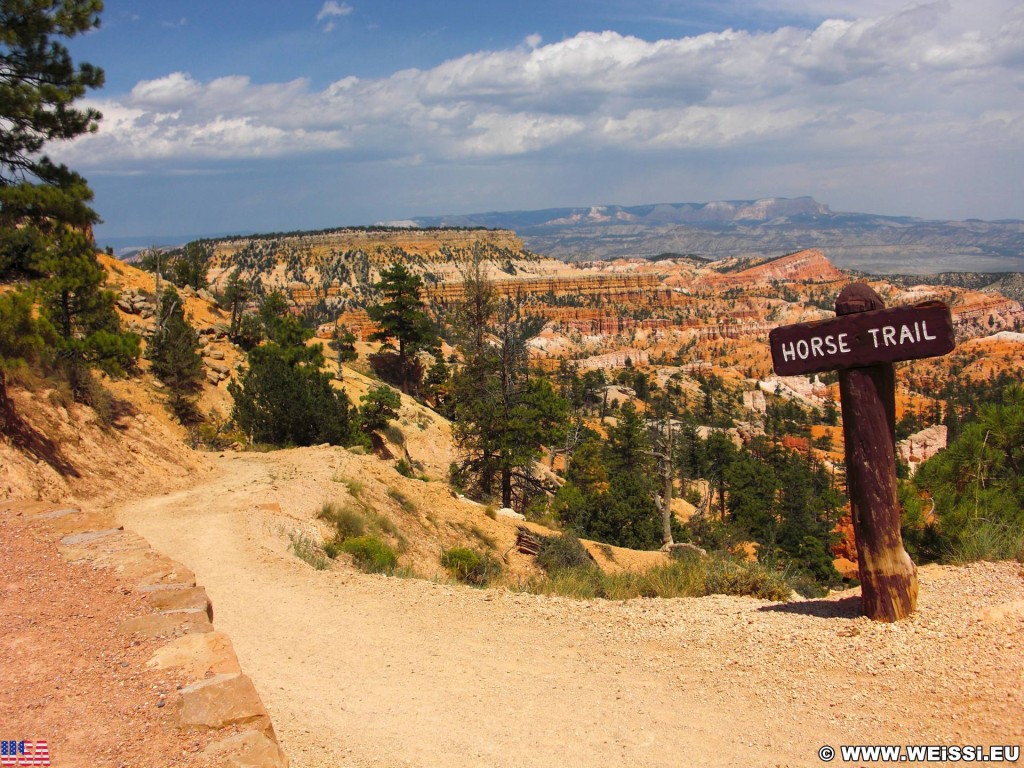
236,295
189,265
38,85
24,340
286,398
343,342
45,218
402,318
174,353
378,408
80,309
502,416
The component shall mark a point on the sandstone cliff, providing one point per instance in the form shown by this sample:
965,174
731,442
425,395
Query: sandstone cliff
808,266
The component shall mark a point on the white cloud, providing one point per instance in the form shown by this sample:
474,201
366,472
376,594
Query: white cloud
331,10
909,81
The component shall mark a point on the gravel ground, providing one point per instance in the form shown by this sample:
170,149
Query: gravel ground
68,676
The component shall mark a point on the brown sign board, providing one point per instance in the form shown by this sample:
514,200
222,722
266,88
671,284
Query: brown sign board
863,338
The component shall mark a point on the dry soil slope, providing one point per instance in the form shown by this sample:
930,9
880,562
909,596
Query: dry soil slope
361,670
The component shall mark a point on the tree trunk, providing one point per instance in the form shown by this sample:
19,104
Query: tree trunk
888,576
65,313
506,488
667,488
6,408
487,473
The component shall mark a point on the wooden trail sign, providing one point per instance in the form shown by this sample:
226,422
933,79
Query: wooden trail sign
862,343
863,338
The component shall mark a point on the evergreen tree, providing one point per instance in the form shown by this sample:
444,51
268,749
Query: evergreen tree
626,515
81,311
436,385
718,454
402,318
236,294
45,216
189,265
378,408
502,417
610,495
752,499
173,350
975,483
38,85
285,398
24,340
628,444
343,342
278,324
38,81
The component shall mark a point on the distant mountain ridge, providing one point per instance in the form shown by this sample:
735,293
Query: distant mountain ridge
762,228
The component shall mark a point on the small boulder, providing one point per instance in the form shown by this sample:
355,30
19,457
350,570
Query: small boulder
220,701
198,655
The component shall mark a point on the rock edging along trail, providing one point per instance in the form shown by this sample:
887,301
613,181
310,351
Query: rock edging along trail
221,698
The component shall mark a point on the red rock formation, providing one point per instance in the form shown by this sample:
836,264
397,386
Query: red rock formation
808,266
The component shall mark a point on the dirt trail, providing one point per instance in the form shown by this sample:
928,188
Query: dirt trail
361,670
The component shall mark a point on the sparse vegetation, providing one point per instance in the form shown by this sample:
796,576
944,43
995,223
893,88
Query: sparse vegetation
716,574
403,501
471,567
558,553
371,554
308,550
348,523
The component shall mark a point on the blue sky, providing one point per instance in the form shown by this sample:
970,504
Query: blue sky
267,116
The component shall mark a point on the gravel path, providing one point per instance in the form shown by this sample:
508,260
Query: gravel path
68,675
361,670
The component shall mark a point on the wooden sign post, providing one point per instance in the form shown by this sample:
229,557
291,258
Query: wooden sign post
862,342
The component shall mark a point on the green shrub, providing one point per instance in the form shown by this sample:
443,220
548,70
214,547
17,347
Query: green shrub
371,554
726,576
470,566
332,548
561,552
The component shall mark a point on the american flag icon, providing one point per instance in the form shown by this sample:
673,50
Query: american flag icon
24,753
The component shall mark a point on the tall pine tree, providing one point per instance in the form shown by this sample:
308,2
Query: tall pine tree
402,318
174,353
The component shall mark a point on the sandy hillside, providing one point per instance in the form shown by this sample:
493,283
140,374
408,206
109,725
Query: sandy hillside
361,670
